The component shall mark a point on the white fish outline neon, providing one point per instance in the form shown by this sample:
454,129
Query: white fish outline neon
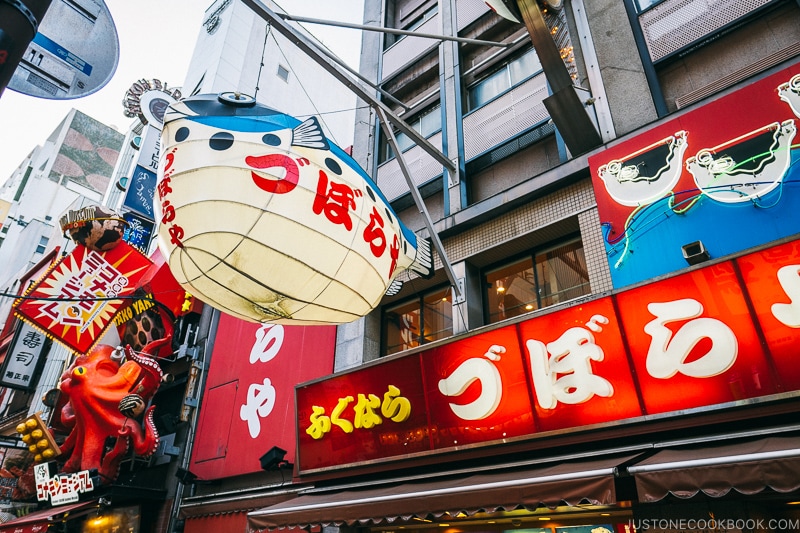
215,145
728,181
789,92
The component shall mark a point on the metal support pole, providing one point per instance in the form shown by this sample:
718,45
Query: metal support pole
393,31
437,243
310,49
564,105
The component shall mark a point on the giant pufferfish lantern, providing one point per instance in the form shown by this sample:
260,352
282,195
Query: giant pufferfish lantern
263,218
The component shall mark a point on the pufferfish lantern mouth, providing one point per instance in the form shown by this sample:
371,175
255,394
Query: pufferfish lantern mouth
284,166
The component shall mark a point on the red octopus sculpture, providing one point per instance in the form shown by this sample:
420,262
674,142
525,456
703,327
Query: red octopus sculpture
105,396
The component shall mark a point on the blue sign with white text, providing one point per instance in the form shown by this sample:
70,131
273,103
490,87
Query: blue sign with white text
140,193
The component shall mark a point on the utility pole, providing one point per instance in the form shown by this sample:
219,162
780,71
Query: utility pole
19,22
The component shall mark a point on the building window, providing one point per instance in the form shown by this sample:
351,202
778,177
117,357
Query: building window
283,73
426,318
541,279
412,25
426,124
42,245
499,81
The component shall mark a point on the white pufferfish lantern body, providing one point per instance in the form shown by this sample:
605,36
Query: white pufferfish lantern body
265,219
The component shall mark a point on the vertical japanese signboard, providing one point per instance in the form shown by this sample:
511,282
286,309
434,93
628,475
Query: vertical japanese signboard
23,358
248,402
708,339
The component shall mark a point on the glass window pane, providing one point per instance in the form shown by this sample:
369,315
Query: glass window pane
524,67
488,88
511,290
404,142
430,122
562,274
401,324
437,315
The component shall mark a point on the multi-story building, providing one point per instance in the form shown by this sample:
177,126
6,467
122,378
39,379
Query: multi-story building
618,354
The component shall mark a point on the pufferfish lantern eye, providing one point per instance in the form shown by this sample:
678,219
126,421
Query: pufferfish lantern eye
221,141
270,139
182,134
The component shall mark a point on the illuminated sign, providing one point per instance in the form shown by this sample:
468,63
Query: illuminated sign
148,100
23,357
721,174
690,342
60,488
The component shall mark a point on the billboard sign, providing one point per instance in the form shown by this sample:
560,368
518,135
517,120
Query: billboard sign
711,182
76,301
686,343
23,358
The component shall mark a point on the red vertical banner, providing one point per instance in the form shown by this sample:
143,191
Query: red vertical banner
772,279
477,389
579,369
693,341
248,403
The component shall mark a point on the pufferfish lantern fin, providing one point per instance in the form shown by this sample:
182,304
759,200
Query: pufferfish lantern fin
394,287
309,135
423,260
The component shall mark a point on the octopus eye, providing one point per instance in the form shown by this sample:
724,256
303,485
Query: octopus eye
79,371
221,141
182,134
271,139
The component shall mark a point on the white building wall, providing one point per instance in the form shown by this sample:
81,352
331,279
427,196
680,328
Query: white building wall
230,59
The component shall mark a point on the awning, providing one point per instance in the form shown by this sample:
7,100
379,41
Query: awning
220,522
747,467
564,483
39,521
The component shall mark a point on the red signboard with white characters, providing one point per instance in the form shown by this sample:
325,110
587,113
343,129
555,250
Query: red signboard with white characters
248,405
689,342
578,367
693,341
772,278
476,390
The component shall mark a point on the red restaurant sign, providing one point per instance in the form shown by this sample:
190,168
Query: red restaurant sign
247,403
687,342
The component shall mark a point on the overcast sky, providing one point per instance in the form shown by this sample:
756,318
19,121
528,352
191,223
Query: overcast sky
156,41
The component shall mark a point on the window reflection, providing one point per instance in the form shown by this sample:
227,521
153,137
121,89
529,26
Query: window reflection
545,278
426,318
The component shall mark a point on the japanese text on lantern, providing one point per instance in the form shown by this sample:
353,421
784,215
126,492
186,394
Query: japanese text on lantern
364,414
176,232
261,397
336,202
